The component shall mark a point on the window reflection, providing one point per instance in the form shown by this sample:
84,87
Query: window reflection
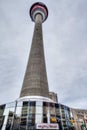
2,110
16,124
1,121
57,109
52,113
2,107
39,110
31,113
17,116
52,109
31,120
46,114
23,120
9,120
45,107
44,118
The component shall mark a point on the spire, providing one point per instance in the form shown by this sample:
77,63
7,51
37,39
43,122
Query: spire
35,80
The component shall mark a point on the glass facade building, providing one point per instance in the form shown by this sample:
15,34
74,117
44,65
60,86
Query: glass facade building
29,113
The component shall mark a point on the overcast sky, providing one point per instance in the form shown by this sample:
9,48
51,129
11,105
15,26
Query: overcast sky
65,45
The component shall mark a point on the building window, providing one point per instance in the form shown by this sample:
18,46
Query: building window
45,112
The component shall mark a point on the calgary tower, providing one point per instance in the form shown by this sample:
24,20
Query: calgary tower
35,80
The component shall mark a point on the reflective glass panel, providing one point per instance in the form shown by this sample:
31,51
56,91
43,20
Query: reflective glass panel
46,114
39,110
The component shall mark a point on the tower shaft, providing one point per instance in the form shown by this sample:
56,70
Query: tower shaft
35,79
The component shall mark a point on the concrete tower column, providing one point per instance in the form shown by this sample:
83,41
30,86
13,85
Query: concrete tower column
35,80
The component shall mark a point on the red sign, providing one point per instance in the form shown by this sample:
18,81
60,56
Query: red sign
47,126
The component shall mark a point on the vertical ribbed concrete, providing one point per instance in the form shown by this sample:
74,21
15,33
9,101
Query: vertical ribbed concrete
35,80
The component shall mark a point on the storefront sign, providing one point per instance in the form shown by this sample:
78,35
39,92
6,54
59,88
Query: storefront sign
47,126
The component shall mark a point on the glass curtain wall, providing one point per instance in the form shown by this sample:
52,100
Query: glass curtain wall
25,115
